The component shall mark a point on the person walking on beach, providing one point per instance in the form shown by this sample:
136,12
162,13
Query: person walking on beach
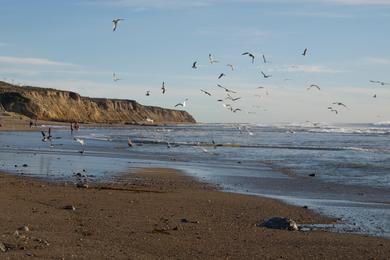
71,128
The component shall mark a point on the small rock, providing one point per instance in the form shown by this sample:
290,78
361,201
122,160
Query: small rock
24,228
3,248
70,207
184,220
82,185
279,223
305,207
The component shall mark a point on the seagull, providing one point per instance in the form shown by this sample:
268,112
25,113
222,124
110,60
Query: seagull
182,104
379,82
147,93
339,104
304,52
221,75
227,90
211,59
260,87
194,65
204,91
235,110
250,55
314,86
81,141
129,142
114,77
231,66
264,59
265,75
163,87
231,98
333,110
47,137
115,23
374,96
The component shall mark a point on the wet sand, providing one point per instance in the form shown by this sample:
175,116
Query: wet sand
160,214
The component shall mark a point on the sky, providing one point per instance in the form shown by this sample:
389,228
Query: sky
70,45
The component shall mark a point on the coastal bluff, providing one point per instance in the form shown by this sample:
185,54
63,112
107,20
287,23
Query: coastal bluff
66,106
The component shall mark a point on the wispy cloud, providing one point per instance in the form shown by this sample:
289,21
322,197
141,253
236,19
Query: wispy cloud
308,69
178,4
32,61
377,60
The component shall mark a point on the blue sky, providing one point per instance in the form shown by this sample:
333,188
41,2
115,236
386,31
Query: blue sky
70,45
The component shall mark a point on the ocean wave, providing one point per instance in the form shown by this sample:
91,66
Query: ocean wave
383,124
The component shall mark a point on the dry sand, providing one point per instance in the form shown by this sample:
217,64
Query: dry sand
141,217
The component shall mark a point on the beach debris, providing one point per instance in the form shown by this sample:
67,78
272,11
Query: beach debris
3,248
24,228
279,223
70,207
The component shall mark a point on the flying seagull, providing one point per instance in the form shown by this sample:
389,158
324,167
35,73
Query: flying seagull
163,87
250,55
304,52
115,23
147,93
211,59
313,86
333,110
182,104
264,59
374,96
339,104
221,75
47,137
194,65
231,98
227,90
114,77
80,141
231,66
204,91
265,75
235,110
379,82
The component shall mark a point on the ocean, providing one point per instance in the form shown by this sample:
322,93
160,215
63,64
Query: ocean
340,170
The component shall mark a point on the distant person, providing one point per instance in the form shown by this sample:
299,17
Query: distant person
71,128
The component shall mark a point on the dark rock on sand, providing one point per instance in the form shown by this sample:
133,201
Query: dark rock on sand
279,223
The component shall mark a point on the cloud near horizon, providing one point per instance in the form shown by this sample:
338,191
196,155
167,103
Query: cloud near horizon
32,61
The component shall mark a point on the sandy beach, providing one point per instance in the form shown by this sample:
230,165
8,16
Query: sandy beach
160,214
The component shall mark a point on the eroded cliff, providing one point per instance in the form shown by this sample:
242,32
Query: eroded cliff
66,106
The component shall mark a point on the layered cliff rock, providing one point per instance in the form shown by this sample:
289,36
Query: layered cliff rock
66,106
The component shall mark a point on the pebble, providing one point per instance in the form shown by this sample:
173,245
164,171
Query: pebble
70,207
3,248
24,228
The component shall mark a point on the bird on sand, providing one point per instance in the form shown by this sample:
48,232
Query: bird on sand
227,90
313,86
163,87
194,65
115,23
231,66
204,91
250,55
265,75
114,77
304,52
211,59
221,75
182,104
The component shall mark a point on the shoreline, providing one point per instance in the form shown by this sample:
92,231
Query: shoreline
161,213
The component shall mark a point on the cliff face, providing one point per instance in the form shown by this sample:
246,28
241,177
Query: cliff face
65,106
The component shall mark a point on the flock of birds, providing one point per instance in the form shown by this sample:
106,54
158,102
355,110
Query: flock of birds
334,107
